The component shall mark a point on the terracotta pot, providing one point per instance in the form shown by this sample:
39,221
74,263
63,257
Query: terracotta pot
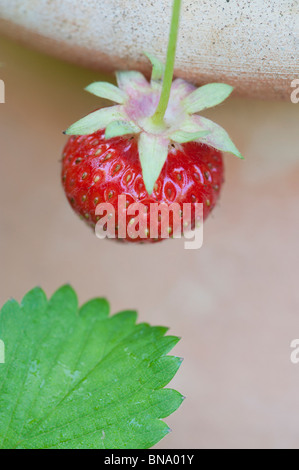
250,44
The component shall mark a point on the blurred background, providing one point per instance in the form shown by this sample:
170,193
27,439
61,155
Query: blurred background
234,302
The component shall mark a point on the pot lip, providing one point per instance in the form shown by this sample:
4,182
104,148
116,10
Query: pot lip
262,81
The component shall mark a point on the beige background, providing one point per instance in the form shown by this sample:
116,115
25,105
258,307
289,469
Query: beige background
235,302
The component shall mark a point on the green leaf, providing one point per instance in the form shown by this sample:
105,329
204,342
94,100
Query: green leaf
206,97
108,91
95,121
153,151
117,128
77,378
158,67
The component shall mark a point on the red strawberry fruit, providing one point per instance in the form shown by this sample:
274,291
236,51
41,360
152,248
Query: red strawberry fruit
151,147
97,170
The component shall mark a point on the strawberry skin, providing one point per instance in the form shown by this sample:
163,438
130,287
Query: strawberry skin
96,170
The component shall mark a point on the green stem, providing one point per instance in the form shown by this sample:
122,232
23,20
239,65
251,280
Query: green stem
158,117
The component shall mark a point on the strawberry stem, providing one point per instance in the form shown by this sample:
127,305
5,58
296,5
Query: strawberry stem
158,117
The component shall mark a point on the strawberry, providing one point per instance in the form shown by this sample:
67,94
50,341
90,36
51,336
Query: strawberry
151,147
96,169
